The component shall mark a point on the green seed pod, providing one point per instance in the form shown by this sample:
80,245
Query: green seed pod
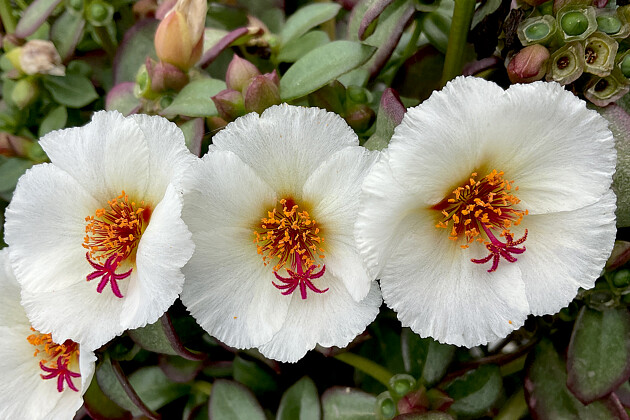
537,30
401,384
622,62
566,64
603,91
546,8
613,23
599,54
385,406
576,24
99,13
621,278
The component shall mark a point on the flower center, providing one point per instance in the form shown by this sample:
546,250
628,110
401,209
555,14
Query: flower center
112,236
290,237
479,206
56,359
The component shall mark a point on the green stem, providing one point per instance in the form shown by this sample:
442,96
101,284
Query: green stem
411,46
375,370
8,20
462,16
515,408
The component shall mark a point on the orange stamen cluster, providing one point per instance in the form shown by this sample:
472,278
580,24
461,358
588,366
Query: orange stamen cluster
49,351
290,235
485,202
115,231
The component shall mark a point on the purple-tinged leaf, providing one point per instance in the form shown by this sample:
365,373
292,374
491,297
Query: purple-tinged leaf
548,397
100,407
598,359
390,114
178,369
475,67
372,13
214,51
34,16
66,33
122,99
623,394
135,47
194,99
193,133
620,255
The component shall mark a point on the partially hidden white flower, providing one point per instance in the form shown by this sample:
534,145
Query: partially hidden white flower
40,378
40,56
96,237
272,208
489,205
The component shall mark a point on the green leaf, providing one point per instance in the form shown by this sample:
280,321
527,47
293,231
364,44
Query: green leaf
122,99
547,394
11,169
153,338
435,415
136,46
425,358
306,18
342,403
66,33
321,66
300,402
193,134
99,406
232,401
436,26
71,90
194,99
154,388
253,376
55,120
476,391
598,359
34,16
111,387
293,50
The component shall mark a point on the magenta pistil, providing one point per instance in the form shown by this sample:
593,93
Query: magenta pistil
300,278
62,373
107,274
499,249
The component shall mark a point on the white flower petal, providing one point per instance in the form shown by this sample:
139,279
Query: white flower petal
11,312
332,318
168,156
164,248
229,290
286,144
565,251
45,226
437,291
333,190
105,156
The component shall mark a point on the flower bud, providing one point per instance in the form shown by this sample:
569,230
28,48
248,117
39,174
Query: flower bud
261,94
142,88
600,51
40,57
215,123
229,103
165,76
357,94
99,13
240,73
273,77
566,64
537,30
529,64
576,24
401,384
439,400
414,402
385,406
360,117
603,91
179,37
12,145
24,93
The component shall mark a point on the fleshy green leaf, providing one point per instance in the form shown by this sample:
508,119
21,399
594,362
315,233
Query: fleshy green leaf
341,403
55,120
547,394
135,47
122,99
99,407
306,18
390,114
34,16
300,402
253,376
321,66
425,358
66,33
10,170
72,90
293,50
477,391
436,26
598,359
111,387
152,338
154,388
193,134
194,99
232,401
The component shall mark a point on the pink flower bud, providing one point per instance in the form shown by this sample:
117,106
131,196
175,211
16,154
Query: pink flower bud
261,94
529,64
240,73
229,103
179,37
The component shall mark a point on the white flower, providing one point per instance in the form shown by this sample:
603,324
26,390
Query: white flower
38,381
96,239
517,180
272,209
